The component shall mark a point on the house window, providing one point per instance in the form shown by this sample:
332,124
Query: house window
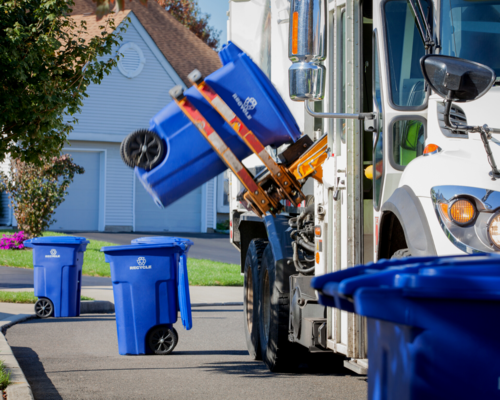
131,61
223,192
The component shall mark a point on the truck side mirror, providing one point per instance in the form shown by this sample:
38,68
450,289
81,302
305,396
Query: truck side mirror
456,79
307,49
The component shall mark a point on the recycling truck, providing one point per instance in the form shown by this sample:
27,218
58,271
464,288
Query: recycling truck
355,131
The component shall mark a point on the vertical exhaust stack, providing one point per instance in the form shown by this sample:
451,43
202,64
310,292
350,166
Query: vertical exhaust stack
307,49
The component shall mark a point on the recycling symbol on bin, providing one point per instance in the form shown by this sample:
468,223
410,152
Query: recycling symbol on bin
249,104
53,252
141,261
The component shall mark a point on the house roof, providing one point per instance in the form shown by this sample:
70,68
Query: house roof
182,48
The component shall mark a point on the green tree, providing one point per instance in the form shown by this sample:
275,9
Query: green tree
187,12
36,190
47,61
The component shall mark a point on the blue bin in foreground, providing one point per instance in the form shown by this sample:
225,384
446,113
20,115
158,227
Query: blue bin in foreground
57,265
433,325
190,161
150,286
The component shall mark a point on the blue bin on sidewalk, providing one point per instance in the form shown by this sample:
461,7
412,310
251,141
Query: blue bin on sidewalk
190,160
57,265
150,286
433,327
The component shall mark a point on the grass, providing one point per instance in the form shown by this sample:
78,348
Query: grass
200,272
23,297
4,376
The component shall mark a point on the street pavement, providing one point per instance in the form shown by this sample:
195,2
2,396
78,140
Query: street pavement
77,358
208,246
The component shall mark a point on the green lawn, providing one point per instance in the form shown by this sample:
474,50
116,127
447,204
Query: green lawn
201,272
24,297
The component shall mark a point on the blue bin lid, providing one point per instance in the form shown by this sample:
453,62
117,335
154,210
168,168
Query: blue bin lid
55,240
134,247
464,277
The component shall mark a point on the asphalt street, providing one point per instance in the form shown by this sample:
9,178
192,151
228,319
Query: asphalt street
77,358
208,246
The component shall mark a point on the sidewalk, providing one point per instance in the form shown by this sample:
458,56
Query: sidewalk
200,295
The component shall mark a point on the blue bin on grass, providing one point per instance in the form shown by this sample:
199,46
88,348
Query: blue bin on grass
57,265
150,286
433,327
190,160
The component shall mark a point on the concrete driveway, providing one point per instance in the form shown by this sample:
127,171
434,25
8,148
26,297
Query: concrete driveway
77,358
208,246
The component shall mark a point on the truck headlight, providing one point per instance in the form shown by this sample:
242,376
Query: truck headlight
494,230
462,212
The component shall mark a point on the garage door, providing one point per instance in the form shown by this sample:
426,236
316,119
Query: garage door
182,216
80,210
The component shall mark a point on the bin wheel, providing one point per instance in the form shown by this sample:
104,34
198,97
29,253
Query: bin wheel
162,340
143,149
44,308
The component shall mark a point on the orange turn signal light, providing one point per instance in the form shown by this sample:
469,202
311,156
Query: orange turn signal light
317,258
295,32
444,210
462,211
432,148
317,230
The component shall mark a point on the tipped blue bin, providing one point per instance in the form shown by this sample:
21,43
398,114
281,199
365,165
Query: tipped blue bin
57,265
432,326
190,160
150,286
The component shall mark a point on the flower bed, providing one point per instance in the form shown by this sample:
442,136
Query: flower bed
14,241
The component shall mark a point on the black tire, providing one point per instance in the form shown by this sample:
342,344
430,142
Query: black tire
251,297
143,149
403,253
44,308
277,352
162,340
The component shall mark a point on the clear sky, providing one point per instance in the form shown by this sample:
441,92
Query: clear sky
218,18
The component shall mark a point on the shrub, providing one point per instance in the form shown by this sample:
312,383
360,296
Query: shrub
37,190
14,241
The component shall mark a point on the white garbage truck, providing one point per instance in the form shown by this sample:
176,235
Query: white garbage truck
397,101
386,148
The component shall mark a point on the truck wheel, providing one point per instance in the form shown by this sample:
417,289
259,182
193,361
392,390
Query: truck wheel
251,296
403,253
277,352
143,149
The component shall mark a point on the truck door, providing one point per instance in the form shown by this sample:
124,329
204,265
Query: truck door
400,97
347,216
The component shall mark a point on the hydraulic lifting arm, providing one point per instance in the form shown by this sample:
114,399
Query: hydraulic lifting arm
281,181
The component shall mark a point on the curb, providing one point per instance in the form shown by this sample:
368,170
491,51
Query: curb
215,304
96,307
19,389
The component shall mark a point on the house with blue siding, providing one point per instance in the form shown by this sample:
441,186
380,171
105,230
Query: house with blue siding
158,54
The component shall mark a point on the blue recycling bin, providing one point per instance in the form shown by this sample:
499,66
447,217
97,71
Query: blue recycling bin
190,160
433,327
57,265
150,286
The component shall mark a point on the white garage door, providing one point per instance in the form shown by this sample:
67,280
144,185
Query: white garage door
182,216
80,210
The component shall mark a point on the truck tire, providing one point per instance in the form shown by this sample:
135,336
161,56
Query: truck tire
403,253
251,296
277,352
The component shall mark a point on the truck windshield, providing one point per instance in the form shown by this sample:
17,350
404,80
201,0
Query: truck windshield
470,29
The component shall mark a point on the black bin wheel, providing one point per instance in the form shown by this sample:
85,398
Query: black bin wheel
44,308
162,340
143,149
